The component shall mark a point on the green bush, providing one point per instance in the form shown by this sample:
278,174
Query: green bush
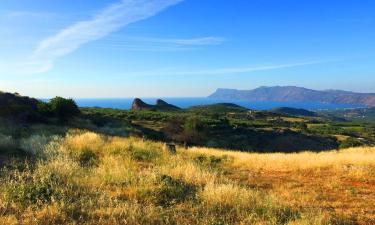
44,108
63,108
350,143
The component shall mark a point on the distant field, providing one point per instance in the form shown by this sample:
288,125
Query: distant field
87,178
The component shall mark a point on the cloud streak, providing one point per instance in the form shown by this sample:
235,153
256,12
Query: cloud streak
186,42
235,70
109,20
158,44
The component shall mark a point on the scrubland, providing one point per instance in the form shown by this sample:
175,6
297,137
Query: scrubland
88,178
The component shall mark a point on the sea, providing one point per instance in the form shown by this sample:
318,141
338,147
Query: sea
125,103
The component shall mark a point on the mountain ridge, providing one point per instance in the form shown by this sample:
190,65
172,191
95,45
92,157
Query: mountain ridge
296,94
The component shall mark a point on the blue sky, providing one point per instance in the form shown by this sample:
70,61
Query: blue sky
151,48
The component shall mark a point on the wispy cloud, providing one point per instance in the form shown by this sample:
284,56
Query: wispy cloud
232,70
28,14
105,22
188,42
157,44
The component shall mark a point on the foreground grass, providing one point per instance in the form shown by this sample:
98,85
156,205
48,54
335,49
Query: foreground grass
86,178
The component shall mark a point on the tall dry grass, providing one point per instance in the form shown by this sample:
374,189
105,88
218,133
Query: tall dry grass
87,178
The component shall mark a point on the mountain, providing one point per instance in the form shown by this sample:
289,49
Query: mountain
296,94
293,112
139,105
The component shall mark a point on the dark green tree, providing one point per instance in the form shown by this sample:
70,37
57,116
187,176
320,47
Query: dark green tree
64,109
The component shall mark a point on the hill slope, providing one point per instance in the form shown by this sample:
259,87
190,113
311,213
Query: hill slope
218,108
361,114
17,107
294,112
87,178
296,94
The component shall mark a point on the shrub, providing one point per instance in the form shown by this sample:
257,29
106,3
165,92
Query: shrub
35,190
44,108
35,144
6,141
64,108
350,143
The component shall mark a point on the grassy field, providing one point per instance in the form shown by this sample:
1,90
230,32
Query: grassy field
87,178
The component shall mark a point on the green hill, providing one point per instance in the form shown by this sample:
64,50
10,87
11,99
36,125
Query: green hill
293,112
218,108
18,107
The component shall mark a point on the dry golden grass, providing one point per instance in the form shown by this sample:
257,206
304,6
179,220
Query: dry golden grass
341,183
87,178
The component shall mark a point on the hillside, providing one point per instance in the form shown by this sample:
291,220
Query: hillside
87,178
223,125
361,114
18,107
296,94
218,108
293,112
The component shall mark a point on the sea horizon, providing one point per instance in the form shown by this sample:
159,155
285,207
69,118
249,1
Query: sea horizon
186,102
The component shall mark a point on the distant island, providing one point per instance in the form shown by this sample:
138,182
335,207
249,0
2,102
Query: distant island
296,94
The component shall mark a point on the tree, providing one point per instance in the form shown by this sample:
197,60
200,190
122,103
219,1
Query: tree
63,109
44,108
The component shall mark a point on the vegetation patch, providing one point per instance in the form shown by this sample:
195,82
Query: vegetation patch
88,158
35,190
144,155
210,162
173,191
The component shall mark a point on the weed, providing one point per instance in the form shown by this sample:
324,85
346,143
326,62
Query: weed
144,155
173,191
88,158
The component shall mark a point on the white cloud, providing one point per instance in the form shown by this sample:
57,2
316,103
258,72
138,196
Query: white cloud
105,22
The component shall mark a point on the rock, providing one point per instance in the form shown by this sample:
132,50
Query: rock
171,147
139,105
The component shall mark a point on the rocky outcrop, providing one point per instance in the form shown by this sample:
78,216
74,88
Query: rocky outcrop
162,106
139,105
166,106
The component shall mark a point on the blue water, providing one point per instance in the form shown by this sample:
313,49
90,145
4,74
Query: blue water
125,103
